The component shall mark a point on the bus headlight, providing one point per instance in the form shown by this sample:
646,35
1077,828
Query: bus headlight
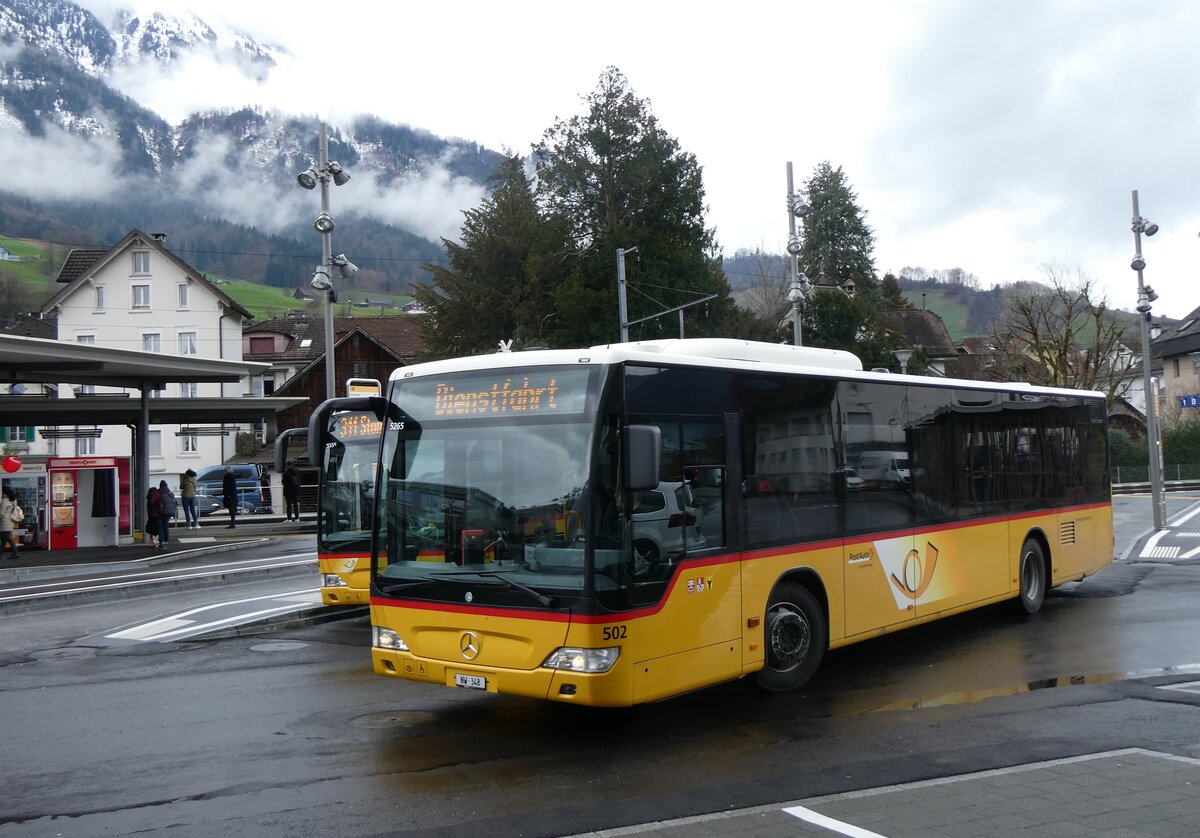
332,580
575,659
382,638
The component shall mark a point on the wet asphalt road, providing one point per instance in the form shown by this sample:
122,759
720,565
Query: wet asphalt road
290,733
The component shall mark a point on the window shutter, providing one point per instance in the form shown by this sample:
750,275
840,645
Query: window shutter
29,433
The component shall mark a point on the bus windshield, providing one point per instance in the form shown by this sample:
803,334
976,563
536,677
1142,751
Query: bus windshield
348,483
485,483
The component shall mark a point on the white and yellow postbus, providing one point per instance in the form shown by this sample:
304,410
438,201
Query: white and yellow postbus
624,523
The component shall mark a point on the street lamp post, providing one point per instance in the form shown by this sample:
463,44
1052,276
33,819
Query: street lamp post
1146,296
798,285
322,280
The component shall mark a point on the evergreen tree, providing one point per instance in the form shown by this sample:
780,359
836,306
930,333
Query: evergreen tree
837,243
615,179
492,288
837,246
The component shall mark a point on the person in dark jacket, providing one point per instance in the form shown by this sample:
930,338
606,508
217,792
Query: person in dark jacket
291,492
230,497
153,512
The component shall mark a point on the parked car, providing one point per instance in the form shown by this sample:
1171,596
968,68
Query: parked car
850,479
209,485
665,519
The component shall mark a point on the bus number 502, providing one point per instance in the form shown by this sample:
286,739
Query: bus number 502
614,632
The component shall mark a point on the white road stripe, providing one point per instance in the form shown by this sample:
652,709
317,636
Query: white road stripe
176,625
1148,547
840,827
36,591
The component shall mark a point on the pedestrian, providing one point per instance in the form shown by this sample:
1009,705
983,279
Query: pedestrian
187,494
153,512
230,498
168,509
11,515
291,492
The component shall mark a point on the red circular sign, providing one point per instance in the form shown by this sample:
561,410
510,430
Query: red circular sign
11,464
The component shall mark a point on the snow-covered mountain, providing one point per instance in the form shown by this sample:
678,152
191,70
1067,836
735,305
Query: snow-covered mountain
84,141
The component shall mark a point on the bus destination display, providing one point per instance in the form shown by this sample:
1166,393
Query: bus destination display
527,393
350,426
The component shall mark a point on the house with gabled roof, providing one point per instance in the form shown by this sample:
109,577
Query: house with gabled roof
139,295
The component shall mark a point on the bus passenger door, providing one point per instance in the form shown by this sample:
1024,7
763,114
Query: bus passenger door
877,553
681,560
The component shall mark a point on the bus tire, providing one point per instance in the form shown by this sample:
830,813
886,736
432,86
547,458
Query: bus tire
794,639
1032,576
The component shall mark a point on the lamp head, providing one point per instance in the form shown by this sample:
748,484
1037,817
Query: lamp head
1138,263
1149,228
324,223
320,280
339,175
793,246
797,206
345,267
307,178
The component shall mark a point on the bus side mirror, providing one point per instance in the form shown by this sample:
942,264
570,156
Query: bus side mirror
643,447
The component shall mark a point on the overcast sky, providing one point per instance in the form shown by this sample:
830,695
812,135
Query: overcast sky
998,137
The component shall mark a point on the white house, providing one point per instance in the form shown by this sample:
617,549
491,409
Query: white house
139,295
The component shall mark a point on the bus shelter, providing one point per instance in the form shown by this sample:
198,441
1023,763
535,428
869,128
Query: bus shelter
41,361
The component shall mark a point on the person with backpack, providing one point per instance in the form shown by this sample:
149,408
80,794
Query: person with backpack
168,509
11,515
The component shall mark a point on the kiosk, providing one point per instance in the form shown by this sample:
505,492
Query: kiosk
90,502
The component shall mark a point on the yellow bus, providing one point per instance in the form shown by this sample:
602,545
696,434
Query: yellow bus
625,523
347,462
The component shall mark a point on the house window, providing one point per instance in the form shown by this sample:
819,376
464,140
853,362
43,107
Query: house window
151,342
99,298
141,261
268,385
189,389
141,297
262,345
256,385
154,440
86,389
1175,365
85,447
187,343
189,445
183,295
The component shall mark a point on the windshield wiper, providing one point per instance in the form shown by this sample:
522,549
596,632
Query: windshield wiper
541,598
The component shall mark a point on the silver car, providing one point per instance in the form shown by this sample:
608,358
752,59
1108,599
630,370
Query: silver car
666,520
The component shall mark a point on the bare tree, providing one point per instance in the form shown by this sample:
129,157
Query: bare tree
765,295
1062,333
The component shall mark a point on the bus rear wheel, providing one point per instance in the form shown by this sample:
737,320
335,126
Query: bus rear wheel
795,639
1032,576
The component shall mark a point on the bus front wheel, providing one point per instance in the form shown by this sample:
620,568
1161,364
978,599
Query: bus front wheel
795,638
1032,576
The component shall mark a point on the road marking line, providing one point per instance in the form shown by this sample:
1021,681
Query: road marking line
1148,547
1187,516
149,629
825,822
21,595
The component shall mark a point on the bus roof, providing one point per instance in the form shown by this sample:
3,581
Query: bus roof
721,353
